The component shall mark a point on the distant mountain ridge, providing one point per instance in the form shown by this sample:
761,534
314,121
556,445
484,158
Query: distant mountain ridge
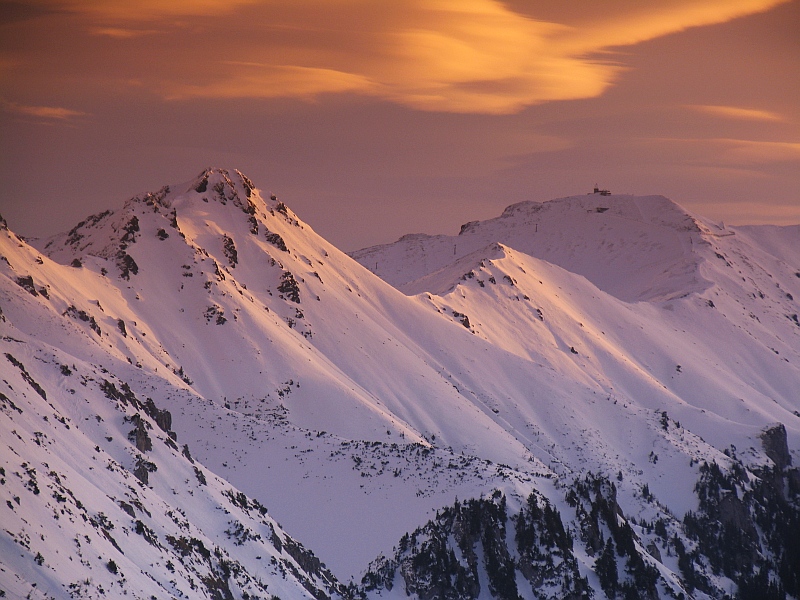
634,248
595,355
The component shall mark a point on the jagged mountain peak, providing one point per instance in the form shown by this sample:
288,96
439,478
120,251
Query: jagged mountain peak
226,186
212,183
226,199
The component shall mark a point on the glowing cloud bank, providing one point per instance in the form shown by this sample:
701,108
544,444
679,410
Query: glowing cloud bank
464,56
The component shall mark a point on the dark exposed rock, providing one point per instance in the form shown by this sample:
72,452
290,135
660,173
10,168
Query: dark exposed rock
126,265
733,513
82,315
27,284
123,395
793,479
201,478
229,249
311,565
289,287
652,550
27,376
138,435
248,185
5,401
127,508
467,227
202,185
130,228
276,240
143,469
148,534
74,236
773,440
464,319
163,418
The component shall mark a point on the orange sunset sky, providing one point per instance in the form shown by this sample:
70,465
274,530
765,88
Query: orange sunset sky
375,118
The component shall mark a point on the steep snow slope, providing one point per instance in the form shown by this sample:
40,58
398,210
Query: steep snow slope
207,322
226,277
98,499
717,333
354,412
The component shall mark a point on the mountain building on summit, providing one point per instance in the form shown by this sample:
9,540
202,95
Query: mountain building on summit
597,190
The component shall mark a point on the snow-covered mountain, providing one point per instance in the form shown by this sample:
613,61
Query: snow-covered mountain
606,381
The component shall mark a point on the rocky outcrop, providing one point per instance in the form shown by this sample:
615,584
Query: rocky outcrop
773,440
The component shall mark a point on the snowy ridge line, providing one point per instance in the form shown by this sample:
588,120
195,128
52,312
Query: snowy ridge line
601,359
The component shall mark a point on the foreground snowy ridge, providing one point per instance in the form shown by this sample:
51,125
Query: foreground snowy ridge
594,396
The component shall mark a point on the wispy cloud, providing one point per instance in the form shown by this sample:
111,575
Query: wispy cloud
253,80
471,56
465,56
122,33
735,112
755,152
639,22
56,113
143,10
731,151
751,213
